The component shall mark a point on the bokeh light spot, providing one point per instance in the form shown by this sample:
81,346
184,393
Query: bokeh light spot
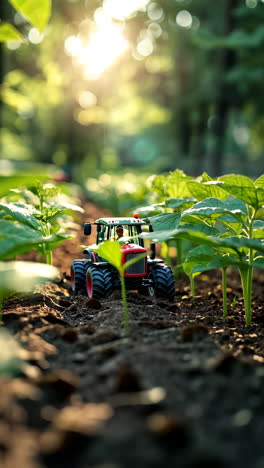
34,36
155,12
87,99
145,47
184,19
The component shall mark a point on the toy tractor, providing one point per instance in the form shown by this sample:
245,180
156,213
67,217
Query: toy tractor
150,276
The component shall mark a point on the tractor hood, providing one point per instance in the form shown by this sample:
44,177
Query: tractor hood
133,247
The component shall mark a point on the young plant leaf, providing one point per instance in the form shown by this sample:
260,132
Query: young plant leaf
9,33
110,251
37,13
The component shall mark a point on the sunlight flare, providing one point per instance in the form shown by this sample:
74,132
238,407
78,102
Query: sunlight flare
106,43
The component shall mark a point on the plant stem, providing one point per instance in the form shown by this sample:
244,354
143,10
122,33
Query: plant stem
179,251
165,253
124,302
246,279
49,257
224,292
192,286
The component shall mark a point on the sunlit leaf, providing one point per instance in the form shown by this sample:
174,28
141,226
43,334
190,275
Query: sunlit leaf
259,182
9,33
201,190
243,188
213,208
111,252
179,203
36,12
9,182
17,238
165,221
22,213
173,185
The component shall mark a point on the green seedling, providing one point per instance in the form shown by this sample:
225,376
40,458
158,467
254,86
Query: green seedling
35,225
111,252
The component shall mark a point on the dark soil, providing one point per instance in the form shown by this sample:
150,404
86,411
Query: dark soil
185,388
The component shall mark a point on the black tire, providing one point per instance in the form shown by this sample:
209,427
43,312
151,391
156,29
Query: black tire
99,282
78,274
163,282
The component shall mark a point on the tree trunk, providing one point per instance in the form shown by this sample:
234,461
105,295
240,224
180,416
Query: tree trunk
226,60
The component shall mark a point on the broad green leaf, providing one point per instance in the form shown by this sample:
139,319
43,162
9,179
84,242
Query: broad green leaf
230,244
23,276
16,239
243,188
36,12
258,263
204,177
176,184
22,213
165,221
259,182
9,33
158,236
237,180
67,207
48,213
212,208
173,186
201,190
111,252
259,213
201,250
150,210
224,261
164,236
9,182
201,256
177,203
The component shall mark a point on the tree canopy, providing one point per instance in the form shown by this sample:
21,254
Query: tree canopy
154,84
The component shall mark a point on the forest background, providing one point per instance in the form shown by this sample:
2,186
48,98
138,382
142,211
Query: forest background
115,86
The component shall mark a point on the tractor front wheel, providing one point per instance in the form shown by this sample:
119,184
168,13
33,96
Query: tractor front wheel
163,282
99,282
78,272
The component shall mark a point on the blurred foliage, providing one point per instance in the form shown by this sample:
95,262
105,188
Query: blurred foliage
120,193
185,92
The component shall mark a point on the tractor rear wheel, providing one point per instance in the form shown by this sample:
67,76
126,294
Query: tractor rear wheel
163,282
99,282
78,273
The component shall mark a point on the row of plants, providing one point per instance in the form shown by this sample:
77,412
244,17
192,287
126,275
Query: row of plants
224,216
